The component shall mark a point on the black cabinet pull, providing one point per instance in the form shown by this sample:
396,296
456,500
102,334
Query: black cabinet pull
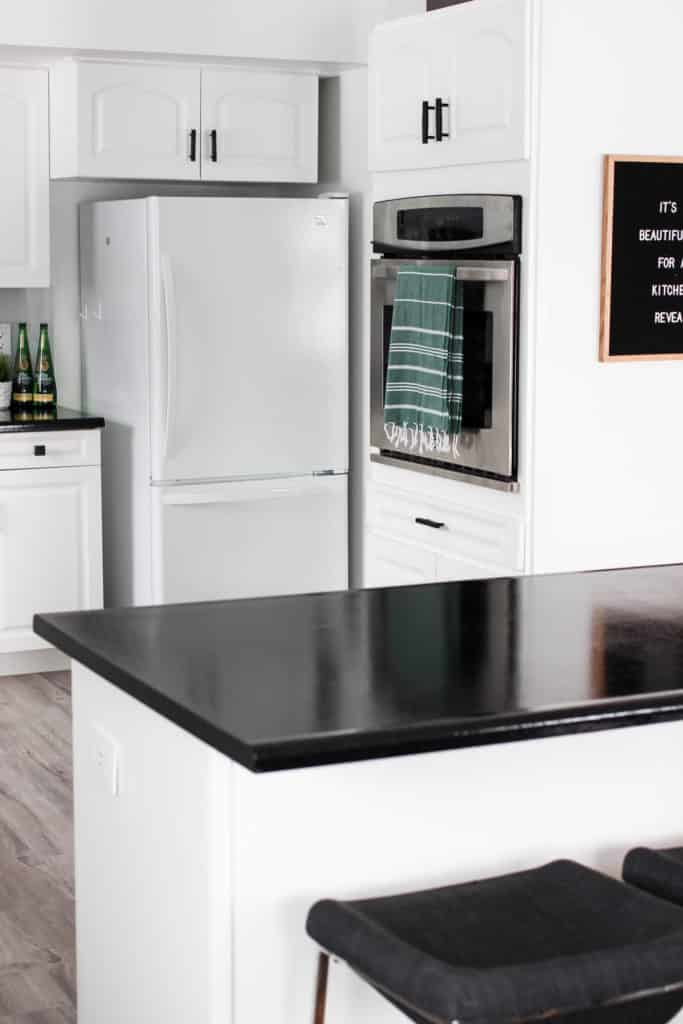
213,135
440,107
193,145
429,522
426,107
39,449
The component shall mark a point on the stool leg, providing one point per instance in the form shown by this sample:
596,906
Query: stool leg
321,989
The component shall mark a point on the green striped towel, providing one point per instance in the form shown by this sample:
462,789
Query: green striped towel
423,394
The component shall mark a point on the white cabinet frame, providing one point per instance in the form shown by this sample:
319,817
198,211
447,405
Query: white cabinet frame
24,179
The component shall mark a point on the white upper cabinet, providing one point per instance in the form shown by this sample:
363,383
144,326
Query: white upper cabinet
24,179
400,84
182,123
259,126
124,121
450,87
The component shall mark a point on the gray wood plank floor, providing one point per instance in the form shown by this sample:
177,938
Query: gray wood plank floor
37,974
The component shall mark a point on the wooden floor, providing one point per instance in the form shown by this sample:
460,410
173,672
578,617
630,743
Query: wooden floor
36,855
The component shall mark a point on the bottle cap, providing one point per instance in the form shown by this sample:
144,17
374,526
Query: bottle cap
43,327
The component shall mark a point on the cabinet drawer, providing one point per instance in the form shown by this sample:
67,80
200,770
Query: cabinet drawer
462,569
393,563
474,535
61,448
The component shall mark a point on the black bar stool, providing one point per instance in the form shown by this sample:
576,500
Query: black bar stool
657,871
560,941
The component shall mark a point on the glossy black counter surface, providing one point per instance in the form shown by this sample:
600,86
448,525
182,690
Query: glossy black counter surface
61,419
298,681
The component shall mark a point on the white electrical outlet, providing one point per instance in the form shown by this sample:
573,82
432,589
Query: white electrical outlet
106,754
6,339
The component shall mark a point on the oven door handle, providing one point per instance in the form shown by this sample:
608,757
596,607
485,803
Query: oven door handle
384,270
482,274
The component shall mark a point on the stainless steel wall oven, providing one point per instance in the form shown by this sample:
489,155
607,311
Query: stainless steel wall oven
479,236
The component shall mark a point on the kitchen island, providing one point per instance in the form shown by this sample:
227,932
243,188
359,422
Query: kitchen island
236,761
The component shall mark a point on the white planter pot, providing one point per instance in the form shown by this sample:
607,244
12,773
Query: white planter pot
5,394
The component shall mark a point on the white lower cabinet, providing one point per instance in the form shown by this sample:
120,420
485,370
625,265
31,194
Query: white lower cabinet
393,562
50,547
412,537
448,568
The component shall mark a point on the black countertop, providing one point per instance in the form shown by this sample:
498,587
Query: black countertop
12,422
291,682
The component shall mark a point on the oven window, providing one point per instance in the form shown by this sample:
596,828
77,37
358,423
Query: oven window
477,361
441,224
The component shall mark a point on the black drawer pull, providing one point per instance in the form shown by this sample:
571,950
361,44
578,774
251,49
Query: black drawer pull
213,135
193,145
440,107
426,107
39,449
429,522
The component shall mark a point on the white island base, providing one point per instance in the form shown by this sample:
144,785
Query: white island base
194,876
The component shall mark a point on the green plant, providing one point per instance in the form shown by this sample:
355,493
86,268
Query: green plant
5,368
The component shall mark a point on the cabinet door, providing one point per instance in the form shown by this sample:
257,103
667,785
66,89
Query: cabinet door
473,59
480,70
393,562
399,83
24,179
50,548
259,126
136,121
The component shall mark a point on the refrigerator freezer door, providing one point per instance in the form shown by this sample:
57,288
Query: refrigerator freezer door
250,538
249,362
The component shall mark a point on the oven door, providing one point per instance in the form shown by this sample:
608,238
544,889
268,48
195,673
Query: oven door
488,441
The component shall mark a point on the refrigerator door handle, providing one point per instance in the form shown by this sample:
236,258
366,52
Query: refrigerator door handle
170,347
238,492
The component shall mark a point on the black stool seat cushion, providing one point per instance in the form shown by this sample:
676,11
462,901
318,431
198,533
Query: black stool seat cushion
556,938
657,871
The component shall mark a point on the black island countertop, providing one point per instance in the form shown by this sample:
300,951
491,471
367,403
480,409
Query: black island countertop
13,422
291,682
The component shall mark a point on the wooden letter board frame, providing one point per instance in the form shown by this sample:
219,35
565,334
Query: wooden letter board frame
607,282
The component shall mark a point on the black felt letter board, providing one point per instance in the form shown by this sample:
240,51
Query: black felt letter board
642,259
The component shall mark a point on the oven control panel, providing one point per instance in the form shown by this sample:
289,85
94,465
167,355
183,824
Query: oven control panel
486,224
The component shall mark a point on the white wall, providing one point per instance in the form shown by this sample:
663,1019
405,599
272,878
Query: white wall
324,30
608,488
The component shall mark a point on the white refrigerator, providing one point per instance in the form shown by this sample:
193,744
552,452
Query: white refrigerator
215,343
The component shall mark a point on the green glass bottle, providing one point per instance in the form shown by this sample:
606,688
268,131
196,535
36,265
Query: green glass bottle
44,384
22,381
